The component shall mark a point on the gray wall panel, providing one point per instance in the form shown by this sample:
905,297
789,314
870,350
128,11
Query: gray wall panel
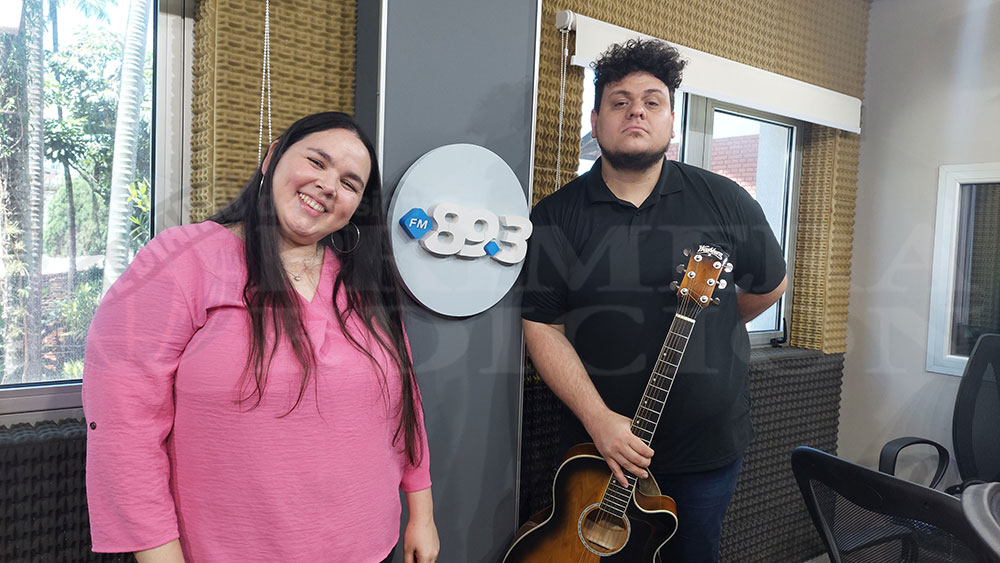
366,60
462,72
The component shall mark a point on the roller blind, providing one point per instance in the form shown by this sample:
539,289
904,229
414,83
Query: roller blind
726,80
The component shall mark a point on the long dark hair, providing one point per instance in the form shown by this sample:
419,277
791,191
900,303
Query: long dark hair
368,278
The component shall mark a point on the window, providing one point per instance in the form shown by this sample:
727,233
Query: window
77,177
976,301
761,152
965,293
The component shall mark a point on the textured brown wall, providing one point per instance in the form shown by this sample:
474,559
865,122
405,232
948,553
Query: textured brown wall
822,43
312,69
825,237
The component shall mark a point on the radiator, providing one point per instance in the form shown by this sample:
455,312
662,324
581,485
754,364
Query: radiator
43,499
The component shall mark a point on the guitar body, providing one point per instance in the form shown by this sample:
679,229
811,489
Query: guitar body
597,520
574,529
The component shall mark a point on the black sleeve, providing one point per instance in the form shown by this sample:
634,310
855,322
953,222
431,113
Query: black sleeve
546,270
759,263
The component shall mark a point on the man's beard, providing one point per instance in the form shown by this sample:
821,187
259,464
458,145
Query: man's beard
633,161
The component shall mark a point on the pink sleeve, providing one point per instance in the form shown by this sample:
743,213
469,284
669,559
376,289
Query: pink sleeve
133,347
417,478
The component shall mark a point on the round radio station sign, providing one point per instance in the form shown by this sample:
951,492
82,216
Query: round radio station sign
460,229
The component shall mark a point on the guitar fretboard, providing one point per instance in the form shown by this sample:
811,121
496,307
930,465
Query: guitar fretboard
616,497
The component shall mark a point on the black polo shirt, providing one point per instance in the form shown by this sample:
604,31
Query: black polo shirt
602,267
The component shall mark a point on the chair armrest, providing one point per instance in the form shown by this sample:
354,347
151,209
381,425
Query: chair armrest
887,458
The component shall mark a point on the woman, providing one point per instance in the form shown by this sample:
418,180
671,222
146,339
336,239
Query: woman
247,382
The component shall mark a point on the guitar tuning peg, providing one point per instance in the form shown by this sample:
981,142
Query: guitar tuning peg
716,301
729,267
674,285
681,268
687,252
722,284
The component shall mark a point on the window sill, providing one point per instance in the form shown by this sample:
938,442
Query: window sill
32,403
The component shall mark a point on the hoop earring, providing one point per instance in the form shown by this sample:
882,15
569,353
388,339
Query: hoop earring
260,187
357,240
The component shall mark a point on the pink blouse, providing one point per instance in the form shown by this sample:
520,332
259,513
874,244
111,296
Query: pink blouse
171,453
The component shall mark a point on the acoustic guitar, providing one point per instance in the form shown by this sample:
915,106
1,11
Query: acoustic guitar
593,517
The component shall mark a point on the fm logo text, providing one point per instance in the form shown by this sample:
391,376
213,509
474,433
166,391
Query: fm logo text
452,230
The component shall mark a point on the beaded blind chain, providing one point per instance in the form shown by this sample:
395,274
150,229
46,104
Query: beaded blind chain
563,59
265,79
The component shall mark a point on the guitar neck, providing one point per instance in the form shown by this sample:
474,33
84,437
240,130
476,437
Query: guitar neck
647,416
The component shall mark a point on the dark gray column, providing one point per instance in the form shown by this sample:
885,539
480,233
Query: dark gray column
366,60
461,72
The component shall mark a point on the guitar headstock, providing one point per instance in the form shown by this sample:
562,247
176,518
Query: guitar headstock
702,275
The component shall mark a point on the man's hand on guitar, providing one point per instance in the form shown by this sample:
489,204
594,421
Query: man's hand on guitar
623,450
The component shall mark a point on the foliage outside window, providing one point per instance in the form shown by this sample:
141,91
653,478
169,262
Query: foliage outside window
76,99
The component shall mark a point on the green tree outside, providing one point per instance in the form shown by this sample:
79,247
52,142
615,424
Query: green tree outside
60,116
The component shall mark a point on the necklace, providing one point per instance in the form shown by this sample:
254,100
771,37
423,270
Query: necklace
307,264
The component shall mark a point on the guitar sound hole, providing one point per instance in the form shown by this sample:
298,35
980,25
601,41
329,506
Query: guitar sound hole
601,532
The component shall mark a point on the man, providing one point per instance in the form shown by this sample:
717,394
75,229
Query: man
597,302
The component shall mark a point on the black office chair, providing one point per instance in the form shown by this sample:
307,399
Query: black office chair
864,516
974,425
981,504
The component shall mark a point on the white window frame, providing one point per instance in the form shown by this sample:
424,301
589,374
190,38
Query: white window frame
171,128
951,178
172,109
697,150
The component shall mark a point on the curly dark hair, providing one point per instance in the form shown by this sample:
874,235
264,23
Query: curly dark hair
638,55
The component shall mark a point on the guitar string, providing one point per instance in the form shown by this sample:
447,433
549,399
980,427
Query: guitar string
674,342
611,490
671,343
